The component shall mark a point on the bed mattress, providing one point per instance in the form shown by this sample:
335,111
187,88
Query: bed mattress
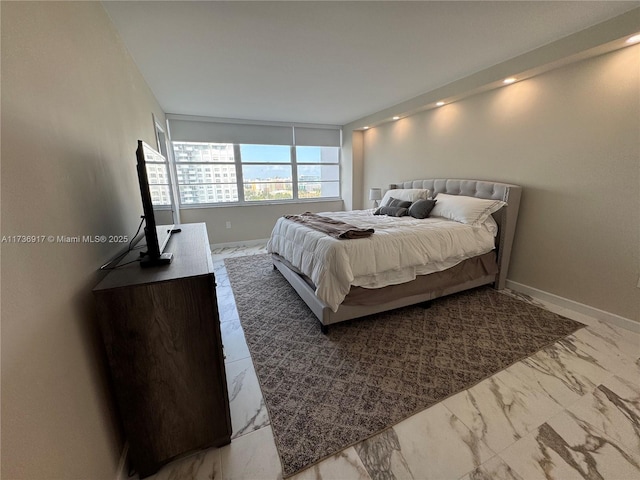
400,250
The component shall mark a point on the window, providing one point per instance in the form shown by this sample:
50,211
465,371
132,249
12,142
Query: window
266,172
248,173
195,159
318,172
159,182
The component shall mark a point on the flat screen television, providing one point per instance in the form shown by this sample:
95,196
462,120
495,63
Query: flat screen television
156,236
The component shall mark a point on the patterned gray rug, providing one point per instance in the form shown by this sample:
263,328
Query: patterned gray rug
327,392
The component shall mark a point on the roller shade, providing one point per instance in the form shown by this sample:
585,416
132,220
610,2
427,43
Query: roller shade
214,132
317,137
188,130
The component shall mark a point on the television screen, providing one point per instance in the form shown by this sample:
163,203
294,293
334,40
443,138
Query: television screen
156,236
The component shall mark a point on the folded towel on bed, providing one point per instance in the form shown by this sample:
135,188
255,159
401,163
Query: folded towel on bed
333,228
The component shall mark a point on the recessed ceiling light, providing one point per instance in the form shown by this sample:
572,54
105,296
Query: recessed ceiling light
396,118
365,128
634,39
509,80
439,104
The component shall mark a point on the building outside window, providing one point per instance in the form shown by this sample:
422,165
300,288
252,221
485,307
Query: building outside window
248,173
198,168
159,181
318,172
266,172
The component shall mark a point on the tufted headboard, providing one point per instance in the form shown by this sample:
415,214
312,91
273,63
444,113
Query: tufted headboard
506,217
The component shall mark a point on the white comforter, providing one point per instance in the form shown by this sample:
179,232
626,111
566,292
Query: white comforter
400,249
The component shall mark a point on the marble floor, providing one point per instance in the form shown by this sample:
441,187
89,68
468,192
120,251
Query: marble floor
571,411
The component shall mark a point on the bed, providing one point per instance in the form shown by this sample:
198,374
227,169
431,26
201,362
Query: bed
345,279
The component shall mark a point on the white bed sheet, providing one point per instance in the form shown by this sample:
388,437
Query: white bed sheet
399,250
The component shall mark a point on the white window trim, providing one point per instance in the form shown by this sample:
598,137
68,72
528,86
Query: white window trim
163,140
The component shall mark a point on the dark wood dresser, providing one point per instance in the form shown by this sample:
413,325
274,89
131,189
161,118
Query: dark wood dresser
161,332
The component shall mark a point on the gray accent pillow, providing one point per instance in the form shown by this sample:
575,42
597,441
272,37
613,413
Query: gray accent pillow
394,202
421,208
392,211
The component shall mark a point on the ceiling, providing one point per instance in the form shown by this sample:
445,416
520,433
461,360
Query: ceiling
329,62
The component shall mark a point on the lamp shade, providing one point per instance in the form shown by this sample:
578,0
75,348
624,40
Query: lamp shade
375,193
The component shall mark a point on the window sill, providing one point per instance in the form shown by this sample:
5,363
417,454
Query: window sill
260,203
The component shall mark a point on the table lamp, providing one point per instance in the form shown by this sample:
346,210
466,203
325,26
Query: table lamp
375,194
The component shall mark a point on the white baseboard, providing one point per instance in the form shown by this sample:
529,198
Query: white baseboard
122,473
248,243
574,306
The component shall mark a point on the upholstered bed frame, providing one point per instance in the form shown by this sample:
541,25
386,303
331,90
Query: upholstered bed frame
506,219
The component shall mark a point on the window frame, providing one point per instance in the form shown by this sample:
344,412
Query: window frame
239,183
204,184
294,152
169,184
165,148
250,163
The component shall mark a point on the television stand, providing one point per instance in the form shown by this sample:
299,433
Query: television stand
164,259
161,333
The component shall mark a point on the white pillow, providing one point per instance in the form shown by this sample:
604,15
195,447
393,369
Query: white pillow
406,194
463,209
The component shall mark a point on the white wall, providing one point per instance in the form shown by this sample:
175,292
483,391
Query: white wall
570,138
73,106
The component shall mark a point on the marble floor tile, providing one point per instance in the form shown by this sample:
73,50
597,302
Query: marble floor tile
255,456
614,409
225,297
567,448
493,469
248,411
589,345
502,409
618,338
218,264
563,387
205,465
222,279
343,465
432,444
559,373
224,294
251,456
228,313
233,341
577,369
226,304
238,251
383,457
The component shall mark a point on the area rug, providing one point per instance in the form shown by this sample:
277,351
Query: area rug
327,392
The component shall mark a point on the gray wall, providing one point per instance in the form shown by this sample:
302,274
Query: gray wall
570,137
73,106
249,222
